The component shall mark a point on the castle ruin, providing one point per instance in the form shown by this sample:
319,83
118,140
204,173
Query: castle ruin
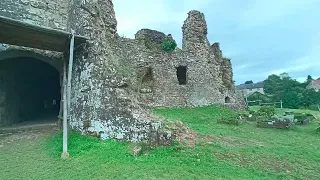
116,81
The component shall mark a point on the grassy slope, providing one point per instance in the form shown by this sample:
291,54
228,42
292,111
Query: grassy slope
226,152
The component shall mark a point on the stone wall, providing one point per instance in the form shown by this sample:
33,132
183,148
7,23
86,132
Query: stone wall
194,32
102,103
201,87
8,100
209,77
48,13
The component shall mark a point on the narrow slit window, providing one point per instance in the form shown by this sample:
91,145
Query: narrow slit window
182,75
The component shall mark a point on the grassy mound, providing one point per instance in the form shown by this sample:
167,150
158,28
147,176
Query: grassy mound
201,119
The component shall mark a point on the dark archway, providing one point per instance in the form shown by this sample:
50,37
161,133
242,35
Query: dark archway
30,91
227,100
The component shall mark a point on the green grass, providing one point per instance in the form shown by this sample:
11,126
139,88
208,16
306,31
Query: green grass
223,152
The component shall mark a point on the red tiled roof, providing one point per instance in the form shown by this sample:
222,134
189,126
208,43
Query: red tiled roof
316,82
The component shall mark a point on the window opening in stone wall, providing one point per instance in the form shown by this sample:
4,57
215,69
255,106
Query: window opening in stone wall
182,75
227,100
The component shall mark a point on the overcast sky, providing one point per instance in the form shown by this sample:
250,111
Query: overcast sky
260,36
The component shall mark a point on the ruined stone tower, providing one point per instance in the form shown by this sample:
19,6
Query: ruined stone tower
117,81
195,35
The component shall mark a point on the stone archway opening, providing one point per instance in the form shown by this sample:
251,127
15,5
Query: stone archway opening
29,91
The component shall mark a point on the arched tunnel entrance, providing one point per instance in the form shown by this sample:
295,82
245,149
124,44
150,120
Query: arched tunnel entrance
29,91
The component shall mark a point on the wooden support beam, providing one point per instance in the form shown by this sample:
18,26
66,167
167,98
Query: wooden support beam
19,33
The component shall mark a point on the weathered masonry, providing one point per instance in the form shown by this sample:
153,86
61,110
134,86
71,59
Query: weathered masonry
115,81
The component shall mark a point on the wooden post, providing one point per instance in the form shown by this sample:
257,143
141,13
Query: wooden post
281,104
65,153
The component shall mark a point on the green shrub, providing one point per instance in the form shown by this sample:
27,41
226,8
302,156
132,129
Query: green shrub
168,44
243,114
318,128
262,119
289,113
314,107
300,116
309,115
267,111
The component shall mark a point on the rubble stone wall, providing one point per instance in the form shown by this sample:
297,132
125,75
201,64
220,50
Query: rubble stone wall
48,13
209,77
102,102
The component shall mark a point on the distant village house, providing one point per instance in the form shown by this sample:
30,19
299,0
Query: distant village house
245,90
314,84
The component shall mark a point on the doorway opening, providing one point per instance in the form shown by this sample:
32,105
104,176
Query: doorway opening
182,75
31,91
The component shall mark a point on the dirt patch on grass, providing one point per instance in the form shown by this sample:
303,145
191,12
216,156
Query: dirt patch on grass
185,135
267,163
18,135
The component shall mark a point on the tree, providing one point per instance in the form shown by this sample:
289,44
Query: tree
249,82
284,88
293,93
308,80
258,96
291,100
271,84
308,98
284,75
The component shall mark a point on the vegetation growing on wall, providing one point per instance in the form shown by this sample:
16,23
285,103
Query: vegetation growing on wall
168,44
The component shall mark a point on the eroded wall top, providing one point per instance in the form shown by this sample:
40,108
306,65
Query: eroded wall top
195,34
